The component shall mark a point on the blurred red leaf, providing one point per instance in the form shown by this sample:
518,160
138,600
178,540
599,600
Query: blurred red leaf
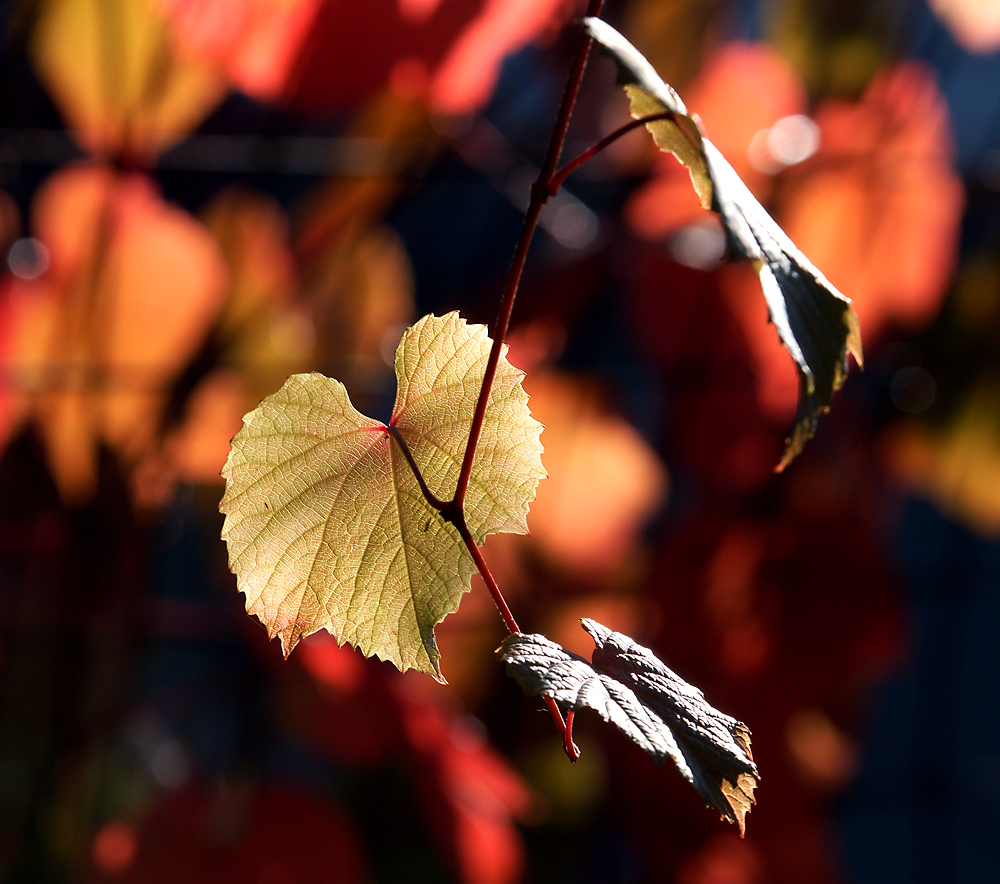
466,77
253,42
239,833
329,56
471,794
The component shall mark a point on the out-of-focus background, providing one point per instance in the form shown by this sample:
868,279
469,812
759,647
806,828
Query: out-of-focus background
200,197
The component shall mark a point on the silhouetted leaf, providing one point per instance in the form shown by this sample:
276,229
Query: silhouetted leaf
814,321
325,522
629,687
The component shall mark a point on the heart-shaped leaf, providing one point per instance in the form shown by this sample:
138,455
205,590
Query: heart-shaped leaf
815,322
629,687
326,524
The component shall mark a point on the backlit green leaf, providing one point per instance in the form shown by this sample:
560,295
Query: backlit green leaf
326,525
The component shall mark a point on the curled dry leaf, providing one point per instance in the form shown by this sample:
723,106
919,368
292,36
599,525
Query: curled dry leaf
629,687
815,322
325,522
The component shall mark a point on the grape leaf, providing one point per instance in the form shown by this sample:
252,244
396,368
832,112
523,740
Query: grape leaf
629,687
325,522
815,322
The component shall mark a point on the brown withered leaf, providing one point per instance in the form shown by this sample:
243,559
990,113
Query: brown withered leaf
629,687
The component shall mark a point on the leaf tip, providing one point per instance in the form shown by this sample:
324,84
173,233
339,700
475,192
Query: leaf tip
854,337
288,638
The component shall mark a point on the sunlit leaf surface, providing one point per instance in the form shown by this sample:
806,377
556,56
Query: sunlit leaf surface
326,524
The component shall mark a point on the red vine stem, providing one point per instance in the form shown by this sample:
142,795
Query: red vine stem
454,510
540,193
565,728
559,177
484,570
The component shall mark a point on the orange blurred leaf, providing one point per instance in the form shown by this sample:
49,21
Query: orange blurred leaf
93,343
604,480
878,207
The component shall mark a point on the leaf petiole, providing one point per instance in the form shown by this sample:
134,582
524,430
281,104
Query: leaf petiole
429,495
557,180
569,747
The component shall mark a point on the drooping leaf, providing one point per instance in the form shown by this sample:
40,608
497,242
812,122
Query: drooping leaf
815,322
325,522
629,687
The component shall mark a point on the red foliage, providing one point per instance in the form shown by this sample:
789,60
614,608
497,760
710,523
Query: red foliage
236,832
471,797
331,56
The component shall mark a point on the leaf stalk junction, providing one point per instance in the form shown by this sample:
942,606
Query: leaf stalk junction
548,182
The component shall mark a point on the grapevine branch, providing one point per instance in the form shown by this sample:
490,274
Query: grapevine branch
540,192
545,186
